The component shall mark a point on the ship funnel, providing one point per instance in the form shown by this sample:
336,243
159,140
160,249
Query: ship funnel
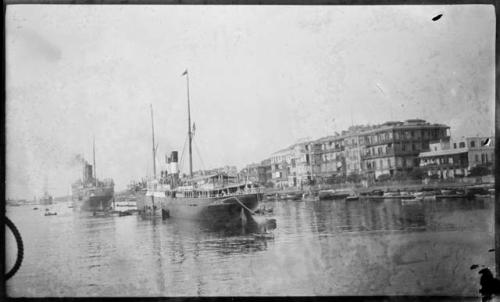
173,163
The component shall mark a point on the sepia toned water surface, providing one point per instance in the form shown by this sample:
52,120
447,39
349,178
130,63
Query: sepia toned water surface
384,247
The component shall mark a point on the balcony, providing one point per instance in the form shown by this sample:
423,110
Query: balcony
389,152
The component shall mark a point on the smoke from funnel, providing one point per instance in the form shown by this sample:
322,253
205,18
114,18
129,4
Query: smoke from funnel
78,159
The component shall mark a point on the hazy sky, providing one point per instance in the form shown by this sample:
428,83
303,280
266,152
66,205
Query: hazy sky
261,77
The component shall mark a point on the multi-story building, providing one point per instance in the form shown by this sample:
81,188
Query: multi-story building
301,169
369,151
265,173
229,170
355,149
394,146
257,172
456,157
332,156
281,167
314,159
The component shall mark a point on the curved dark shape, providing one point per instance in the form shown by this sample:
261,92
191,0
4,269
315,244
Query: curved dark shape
437,17
20,248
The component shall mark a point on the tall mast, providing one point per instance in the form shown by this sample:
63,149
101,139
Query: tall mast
190,134
153,136
93,156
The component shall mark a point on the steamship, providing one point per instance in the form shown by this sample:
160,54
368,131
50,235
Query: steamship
46,198
220,199
90,193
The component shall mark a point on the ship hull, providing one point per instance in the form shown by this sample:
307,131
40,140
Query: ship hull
46,202
216,211
92,199
94,203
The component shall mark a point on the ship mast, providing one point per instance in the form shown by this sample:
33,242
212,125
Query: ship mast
93,156
190,134
153,137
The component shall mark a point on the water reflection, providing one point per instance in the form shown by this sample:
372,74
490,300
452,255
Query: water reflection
320,248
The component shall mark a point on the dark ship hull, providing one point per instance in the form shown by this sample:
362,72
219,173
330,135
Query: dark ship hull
85,200
90,194
46,201
217,211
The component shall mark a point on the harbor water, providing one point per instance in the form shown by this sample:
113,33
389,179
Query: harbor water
365,247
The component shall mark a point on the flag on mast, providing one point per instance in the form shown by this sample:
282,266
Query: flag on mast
185,72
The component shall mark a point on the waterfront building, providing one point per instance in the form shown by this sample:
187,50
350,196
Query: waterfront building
313,159
450,158
229,170
257,172
332,157
300,165
395,146
265,173
367,151
280,167
355,149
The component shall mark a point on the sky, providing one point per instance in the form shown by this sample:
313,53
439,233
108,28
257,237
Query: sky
261,78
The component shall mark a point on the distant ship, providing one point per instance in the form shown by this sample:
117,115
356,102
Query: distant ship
46,199
219,199
91,194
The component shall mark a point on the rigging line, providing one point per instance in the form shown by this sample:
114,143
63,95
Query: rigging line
199,155
181,162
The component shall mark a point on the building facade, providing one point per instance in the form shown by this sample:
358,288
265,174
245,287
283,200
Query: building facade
367,152
395,146
281,167
457,157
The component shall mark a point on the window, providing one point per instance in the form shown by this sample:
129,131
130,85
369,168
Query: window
461,145
472,144
454,145
477,158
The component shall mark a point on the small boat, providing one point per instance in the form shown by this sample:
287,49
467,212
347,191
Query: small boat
124,213
407,197
290,195
263,211
50,213
100,214
267,235
35,208
424,195
376,193
392,194
334,194
352,198
476,191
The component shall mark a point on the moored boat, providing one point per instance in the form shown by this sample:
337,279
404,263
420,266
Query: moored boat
218,199
334,194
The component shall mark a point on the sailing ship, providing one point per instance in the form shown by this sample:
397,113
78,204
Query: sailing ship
219,198
90,193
